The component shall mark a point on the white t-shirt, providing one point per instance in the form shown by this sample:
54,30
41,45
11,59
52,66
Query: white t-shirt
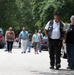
56,30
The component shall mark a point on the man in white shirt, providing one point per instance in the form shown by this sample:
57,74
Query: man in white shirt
54,30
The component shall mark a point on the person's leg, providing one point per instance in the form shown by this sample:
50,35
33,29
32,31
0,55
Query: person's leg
8,45
40,50
25,45
37,47
68,49
72,57
22,45
34,44
19,44
11,46
58,53
51,53
29,47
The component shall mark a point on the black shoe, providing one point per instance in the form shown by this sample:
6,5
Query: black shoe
22,52
58,66
52,67
72,68
68,67
40,51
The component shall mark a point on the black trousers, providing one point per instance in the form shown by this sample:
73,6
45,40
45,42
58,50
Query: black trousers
9,46
54,51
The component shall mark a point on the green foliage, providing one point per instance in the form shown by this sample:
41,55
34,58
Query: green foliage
33,14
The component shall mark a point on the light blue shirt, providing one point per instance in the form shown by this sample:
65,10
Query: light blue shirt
36,37
23,35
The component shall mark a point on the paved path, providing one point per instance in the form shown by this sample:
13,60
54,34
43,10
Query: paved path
29,64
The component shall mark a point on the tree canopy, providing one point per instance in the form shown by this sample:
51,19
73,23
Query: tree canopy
33,14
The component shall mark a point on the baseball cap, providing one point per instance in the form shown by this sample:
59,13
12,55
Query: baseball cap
57,13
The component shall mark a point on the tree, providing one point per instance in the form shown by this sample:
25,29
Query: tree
33,14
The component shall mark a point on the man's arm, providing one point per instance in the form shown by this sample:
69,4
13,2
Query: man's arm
46,33
32,38
46,29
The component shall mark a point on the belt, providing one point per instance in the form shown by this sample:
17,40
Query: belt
54,39
23,39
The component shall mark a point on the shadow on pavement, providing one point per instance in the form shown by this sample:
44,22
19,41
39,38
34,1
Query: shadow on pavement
55,72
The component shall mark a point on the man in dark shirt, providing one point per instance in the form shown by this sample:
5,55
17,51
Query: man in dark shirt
70,44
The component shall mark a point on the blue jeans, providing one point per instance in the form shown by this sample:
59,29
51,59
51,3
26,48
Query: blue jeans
39,47
29,46
70,55
6,47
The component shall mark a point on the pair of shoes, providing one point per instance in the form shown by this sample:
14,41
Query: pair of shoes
9,51
52,67
23,52
37,53
58,66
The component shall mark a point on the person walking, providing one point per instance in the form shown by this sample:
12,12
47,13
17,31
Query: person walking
35,41
23,36
6,44
70,44
29,43
54,31
41,37
9,38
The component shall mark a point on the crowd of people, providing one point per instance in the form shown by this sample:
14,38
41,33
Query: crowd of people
25,39
55,33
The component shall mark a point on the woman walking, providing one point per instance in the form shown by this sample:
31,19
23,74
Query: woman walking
9,38
35,41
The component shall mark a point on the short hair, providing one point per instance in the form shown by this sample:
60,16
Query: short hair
10,28
72,17
36,30
23,28
39,30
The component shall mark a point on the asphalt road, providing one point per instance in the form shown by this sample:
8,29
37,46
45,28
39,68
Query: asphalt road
16,63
